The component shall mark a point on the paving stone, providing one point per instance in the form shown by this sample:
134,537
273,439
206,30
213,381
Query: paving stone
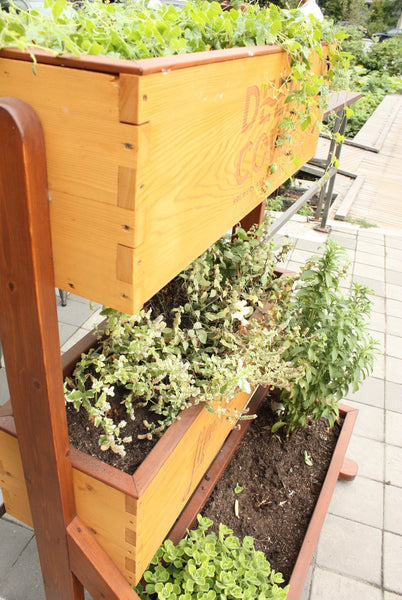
369,455
93,320
294,266
75,313
373,246
341,547
310,246
359,500
392,596
392,264
393,369
369,422
379,355
24,581
4,393
17,539
377,323
344,239
378,303
394,253
393,325
65,332
393,428
393,562
393,345
300,256
366,258
393,291
305,594
393,396
394,277
328,585
371,235
369,271
371,392
393,465
392,509
394,242
394,308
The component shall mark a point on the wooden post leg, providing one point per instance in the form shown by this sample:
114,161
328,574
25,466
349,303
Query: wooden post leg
256,216
30,339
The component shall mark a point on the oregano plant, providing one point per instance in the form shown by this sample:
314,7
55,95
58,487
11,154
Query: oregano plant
208,566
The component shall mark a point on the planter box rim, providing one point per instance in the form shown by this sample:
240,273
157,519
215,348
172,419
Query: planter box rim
142,66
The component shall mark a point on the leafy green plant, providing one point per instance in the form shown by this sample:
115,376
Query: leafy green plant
195,341
335,348
133,31
210,567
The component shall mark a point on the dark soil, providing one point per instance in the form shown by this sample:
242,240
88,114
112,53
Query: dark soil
85,436
280,489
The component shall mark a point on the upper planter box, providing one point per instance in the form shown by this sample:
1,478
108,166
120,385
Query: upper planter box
150,161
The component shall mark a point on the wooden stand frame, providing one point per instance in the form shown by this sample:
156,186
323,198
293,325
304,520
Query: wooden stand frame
70,557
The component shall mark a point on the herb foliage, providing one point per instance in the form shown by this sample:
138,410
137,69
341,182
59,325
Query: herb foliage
135,31
209,566
334,349
195,341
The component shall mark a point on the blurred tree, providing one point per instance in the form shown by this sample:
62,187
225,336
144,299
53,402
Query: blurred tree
353,11
384,14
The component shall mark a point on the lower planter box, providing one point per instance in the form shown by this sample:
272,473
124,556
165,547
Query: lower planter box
339,468
130,515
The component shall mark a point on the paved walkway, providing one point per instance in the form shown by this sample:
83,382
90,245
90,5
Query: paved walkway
359,555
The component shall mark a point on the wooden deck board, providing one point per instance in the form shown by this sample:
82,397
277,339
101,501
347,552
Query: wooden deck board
380,198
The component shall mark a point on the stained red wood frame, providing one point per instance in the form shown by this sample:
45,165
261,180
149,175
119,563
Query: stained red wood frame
70,557
339,468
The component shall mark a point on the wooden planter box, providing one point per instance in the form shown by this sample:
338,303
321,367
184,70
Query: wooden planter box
129,515
339,468
151,161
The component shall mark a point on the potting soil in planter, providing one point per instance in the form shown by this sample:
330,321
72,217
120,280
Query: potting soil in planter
281,480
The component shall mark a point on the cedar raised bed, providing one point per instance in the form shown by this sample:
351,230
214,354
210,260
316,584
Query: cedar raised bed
129,515
339,468
149,162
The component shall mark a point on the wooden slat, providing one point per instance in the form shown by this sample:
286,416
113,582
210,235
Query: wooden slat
172,485
211,157
93,567
159,64
212,476
12,481
104,510
32,358
310,541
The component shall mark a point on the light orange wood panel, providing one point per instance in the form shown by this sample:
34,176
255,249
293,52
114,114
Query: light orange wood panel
12,481
104,511
162,501
108,512
86,236
212,141
79,111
